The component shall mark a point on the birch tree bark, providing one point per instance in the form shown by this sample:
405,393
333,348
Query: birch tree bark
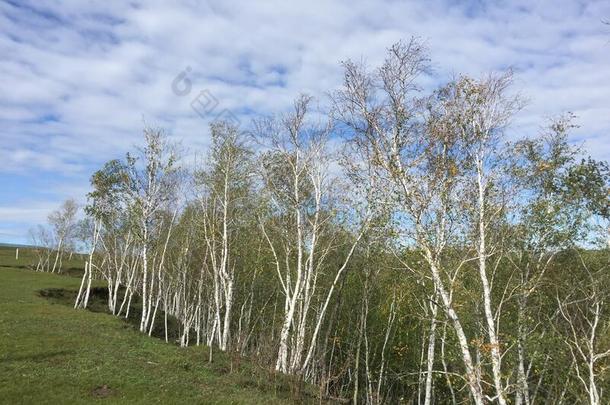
224,188
303,202
63,222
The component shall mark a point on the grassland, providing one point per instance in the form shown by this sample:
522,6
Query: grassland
51,353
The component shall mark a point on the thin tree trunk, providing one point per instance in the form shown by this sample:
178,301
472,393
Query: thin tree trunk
391,318
445,368
430,357
496,359
57,254
472,376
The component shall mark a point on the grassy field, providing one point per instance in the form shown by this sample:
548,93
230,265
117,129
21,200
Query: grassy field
27,260
51,353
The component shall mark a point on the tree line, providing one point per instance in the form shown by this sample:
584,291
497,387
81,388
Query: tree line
400,246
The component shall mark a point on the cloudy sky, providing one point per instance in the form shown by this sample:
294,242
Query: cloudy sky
79,78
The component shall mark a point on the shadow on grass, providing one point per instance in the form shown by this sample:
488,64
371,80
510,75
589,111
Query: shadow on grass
248,372
16,266
98,302
37,357
68,272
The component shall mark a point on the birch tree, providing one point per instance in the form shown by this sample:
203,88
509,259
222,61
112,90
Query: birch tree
479,111
584,317
300,190
42,239
224,197
381,110
63,223
560,198
103,209
150,182
392,249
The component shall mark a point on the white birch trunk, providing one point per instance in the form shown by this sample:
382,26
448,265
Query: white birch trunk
496,359
430,355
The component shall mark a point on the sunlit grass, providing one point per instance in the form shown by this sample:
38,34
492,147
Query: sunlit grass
51,353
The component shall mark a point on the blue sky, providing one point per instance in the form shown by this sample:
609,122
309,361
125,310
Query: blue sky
79,78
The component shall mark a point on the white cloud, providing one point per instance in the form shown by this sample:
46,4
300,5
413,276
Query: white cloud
79,77
38,212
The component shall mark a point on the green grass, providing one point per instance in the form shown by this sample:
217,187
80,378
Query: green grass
28,259
51,353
